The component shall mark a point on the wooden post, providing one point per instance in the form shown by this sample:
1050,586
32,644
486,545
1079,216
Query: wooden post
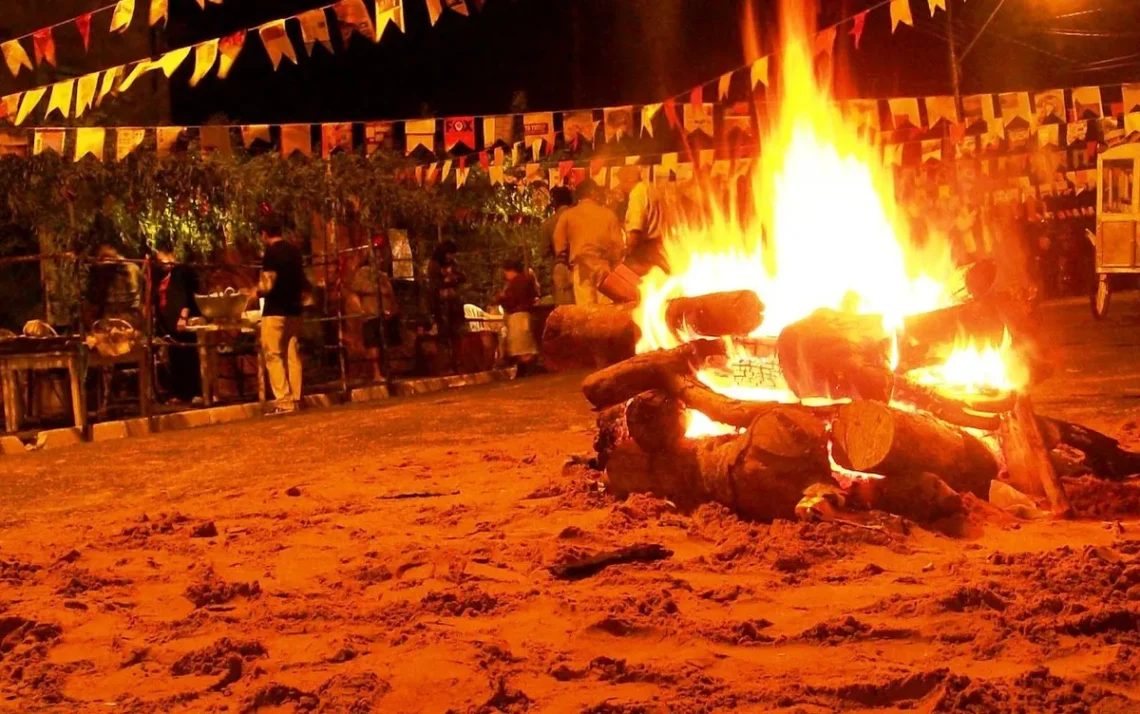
145,402
1027,458
379,310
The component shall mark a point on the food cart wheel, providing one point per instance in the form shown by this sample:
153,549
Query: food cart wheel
1101,297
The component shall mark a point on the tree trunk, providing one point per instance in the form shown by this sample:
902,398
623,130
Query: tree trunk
623,381
729,313
836,355
589,336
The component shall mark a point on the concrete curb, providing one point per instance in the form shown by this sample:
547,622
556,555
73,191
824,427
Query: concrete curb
128,428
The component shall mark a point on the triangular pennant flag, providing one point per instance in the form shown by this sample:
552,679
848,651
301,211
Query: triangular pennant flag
166,137
516,153
334,137
935,4
61,94
389,11
446,171
435,9
230,47
205,55
420,132
254,132
43,44
671,113
159,12
428,177
172,60
900,13
108,83
648,112
352,16
121,18
90,140
29,102
215,140
857,29
49,140
459,6
126,141
458,130
461,176
85,93
314,29
137,71
83,24
9,107
825,42
277,44
296,137
759,72
15,57
723,86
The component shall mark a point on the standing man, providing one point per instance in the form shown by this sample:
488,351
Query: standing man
589,234
643,228
282,284
561,199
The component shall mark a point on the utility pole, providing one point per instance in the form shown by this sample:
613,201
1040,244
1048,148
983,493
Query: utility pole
955,70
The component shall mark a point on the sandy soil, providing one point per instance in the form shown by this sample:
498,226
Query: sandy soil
263,567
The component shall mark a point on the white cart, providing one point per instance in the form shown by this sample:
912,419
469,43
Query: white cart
1117,221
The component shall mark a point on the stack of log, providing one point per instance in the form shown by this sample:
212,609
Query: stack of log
915,462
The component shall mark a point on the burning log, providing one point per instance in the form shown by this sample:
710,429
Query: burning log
1102,453
589,336
656,421
968,412
929,337
836,355
623,381
612,431
921,497
760,475
729,313
875,438
1027,458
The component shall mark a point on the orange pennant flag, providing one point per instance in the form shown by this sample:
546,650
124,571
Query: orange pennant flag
435,9
276,40
352,16
15,56
459,6
49,140
230,47
759,72
43,44
60,99
90,140
254,132
900,13
314,29
296,137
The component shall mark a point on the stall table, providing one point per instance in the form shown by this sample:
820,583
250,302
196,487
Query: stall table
210,337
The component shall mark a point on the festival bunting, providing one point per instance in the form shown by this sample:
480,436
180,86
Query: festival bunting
335,137
1016,111
172,60
904,113
458,130
9,107
83,25
860,22
166,138
420,133
121,17
389,11
205,56
137,71
296,138
1131,93
724,85
159,12
435,9
577,126
85,93
618,123
43,45
254,132
126,141
648,112
458,6
90,141
935,4
277,44
498,129
538,127
15,57
215,140
825,42
759,72
49,140
376,136
107,83
461,176
229,47
314,29
942,110
900,14
699,119
352,17
1086,104
60,99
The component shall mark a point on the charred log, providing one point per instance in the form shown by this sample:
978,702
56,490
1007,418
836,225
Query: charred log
1103,454
875,438
589,336
729,313
1027,458
626,379
922,497
970,412
656,422
612,431
929,338
836,355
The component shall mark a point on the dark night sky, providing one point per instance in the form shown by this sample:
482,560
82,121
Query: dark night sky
590,53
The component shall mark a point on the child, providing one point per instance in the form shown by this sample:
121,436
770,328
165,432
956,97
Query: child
516,299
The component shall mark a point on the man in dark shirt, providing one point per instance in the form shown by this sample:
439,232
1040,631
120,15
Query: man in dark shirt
283,285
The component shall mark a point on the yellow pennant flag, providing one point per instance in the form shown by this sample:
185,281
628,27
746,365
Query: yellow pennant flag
935,4
108,83
296,137
352,16
254,132
760,72
85,93
126,141
314,29
647,113
461,176
419,133
121,18
435,9
205,55
171,61
29,102
90,140
496,175
15,56
159,11
723,86
276,40
137,71
61,94
166,137
49,140
389,11
900,13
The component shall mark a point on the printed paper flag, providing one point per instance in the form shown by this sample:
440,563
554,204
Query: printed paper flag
904,112
13,142
15,57
137,71
83,24
647,113
254,132
738,119
555,178
618,123
61,94
578,125
1131,124
296,137
1086,104
126,141
352,16
49,140
759,72
108,83
498,129
1049,135
121,18
389,11
314,29
900,13
459,130
538,127
942,109
1131,98
536,150
159,12
215,140
420,132
230,47
85,93
700,119
459,6
335,136
90,140
435,9
166,138
376,135
205,56
171,61
931,150
857,30
1015,106
43,44
276,40
500,156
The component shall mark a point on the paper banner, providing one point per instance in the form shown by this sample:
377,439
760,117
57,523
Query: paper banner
171,61
121,17
1131,98
578,125
863,113
978,108
942,109
1049,135
166,138
137,71
498,129
857,29
15,57
159,12
314,29
900,13
618,123
904,113
126,141
90,140
60,99
700,119
205,56
296,138
254,132
706,158
935,4
931,150
230,47
647,113
389,11
43,45
1016,113
334,137
495,173
723,86
459,6
277,44
435,9
461,176
376,135
1086,104
83,25
459,130
420,132
1049,106
759,72
352,16
85,93
537,128
49,140
738,120
108,83
215,140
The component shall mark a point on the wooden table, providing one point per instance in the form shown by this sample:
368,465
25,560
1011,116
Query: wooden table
74,360
212,335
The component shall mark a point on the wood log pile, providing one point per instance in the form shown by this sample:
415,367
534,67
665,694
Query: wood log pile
884,443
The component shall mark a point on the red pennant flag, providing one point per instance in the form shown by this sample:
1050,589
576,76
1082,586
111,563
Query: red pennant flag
564,169
596,165
462,162
43,44
83,24
671,113
484,160
697,98
860,23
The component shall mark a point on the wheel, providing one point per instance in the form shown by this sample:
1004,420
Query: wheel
1101,297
